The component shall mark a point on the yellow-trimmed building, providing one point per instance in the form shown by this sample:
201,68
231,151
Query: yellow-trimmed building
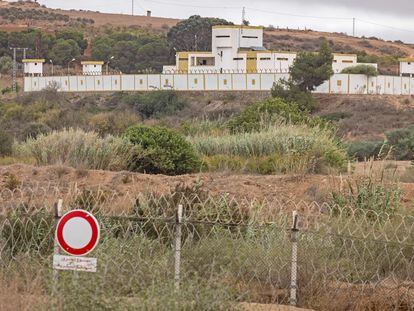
240,49
33,66
236,49
407,66
92,68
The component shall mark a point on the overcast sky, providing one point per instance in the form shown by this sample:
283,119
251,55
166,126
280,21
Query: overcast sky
388,19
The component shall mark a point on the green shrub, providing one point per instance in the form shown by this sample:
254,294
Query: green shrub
166,151
269,111
402,142
374,199
367,70
6,142
152,104
79,149
291,93
310,149
362,150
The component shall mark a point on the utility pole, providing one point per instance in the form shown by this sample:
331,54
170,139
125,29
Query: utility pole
132,12
353,27
14,85
243,15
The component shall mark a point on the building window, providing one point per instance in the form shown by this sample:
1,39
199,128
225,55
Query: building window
265,58
409,63
195,81
335,61
283,58
339,83
250,37
192,61
141,82
35,64
183,59
348,61
251,58
253,82
223,36
225,81
238,58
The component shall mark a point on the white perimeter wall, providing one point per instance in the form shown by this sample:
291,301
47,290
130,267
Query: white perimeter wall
338,84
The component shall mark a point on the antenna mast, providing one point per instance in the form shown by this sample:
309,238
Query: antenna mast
243,15
132,12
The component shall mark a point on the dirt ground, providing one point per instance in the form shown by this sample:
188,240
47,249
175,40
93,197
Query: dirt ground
272,188
367,117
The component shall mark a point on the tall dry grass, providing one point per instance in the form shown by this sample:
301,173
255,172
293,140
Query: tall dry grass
79,149
308,149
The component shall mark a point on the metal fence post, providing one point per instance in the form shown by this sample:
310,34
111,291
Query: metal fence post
294,264
177,257
56,248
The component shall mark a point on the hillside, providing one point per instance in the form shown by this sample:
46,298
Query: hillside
278,39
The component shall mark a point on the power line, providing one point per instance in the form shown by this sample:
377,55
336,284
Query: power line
385,26
194,6
299,15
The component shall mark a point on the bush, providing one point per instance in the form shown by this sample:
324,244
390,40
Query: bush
34,129
402,142
113,122
157,104
336,116
291,93
362,150
6,142
166,152
367,70
79,149
267,112
306,148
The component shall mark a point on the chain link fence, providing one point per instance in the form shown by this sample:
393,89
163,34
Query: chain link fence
221,254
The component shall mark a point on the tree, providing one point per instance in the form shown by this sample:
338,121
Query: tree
6,64
152,56
193,33
312,69
64,51
367,70
77,36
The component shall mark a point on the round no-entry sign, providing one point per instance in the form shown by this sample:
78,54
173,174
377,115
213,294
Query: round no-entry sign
77,232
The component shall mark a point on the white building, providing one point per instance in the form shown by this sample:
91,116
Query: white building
33,67
234,49
407,66
240,49
92,68
342,61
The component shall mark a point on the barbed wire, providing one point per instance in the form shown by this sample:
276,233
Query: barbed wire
238,250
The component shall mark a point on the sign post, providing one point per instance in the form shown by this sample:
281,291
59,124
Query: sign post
77,234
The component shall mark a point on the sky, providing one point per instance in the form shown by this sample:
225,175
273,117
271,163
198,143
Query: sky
386,19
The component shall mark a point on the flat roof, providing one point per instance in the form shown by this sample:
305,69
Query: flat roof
33,60
92,62
406,59
344,54
237,27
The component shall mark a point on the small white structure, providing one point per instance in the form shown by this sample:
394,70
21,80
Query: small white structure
92,68
407,66
33,67
342,61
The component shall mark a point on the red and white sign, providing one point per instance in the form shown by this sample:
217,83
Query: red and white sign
77,232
